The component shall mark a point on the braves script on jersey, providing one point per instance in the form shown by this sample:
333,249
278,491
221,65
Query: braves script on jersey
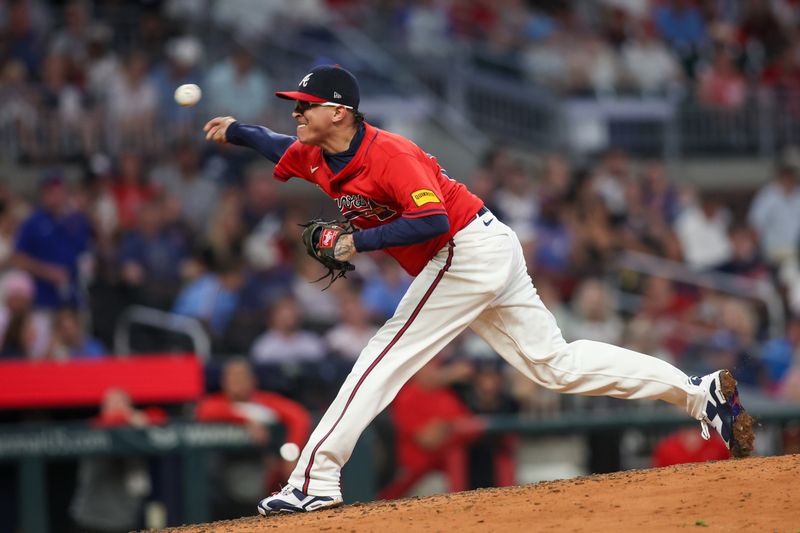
389,177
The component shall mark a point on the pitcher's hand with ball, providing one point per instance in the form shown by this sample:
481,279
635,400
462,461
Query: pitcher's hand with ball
217,127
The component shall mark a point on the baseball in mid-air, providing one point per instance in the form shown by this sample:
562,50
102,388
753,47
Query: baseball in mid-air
290,451
188,94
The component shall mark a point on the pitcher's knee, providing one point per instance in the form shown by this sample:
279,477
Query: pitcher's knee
580,346
556,371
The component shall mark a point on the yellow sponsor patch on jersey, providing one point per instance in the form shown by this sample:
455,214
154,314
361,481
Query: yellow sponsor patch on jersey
425,196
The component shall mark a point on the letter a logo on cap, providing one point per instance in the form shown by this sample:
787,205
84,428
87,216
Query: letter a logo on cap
304,81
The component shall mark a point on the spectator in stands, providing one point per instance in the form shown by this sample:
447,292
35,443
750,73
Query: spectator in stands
182,177
131,189
213,295
642,334
659,193
782,78
71,40
271,244
237,87
644,229
284,341
760,27
702,229
433,431
117,409
261,200
594,314
226,231
111,490
240,477
24,31
132,103
745,259
353,331
70,338
721,85
597,241
51,243
319,308
663,308
498,51
62,100
491,457
778,355
543,61
183,57
734,344
101,202
775,214
556,178
518,201
610,180
597,69
649,64
681,24
102,63
615,23
426,28
384,289
23,333
18,103
248,19
151,256
555,240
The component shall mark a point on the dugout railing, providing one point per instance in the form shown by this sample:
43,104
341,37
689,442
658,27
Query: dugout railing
33,446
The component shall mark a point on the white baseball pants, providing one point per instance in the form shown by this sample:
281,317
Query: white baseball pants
479,280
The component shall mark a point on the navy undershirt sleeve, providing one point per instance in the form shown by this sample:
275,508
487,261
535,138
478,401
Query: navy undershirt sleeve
263,140
401,232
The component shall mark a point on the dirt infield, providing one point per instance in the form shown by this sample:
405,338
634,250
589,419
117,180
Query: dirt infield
756,494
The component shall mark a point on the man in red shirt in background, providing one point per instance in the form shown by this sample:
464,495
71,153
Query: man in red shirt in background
686,446
240,476
433,430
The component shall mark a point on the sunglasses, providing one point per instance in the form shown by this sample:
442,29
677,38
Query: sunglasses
301,106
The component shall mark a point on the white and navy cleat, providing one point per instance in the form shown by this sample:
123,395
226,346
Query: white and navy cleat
725,413
291,500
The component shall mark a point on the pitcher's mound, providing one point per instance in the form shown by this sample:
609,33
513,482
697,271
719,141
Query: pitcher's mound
756,494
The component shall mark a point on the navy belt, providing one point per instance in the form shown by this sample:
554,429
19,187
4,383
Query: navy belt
482,211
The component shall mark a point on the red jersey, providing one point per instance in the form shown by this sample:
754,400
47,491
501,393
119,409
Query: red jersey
687,446
413,409
219,408
389,177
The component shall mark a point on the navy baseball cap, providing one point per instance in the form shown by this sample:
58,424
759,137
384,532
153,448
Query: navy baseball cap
326,83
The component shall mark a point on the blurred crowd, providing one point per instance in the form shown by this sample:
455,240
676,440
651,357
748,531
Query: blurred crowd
171,236
717,51
79,77
134,209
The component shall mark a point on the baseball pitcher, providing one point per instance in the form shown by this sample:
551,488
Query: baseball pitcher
469,272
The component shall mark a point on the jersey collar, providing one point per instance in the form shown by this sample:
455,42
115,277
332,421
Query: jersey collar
354,166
